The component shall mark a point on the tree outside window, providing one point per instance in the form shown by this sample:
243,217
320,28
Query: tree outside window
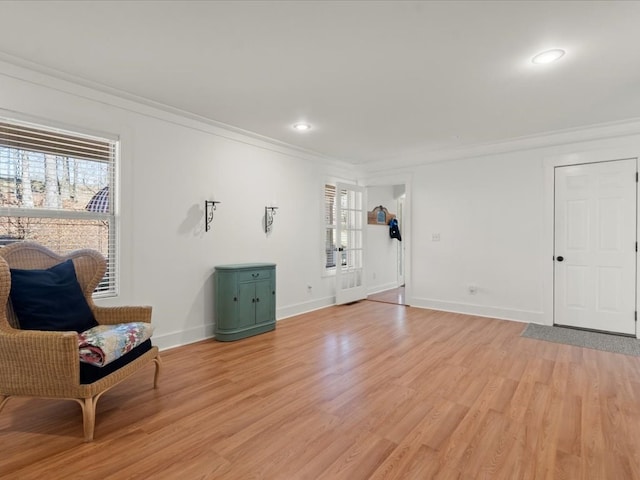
55,190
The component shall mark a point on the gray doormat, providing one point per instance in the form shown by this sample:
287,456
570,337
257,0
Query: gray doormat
581,338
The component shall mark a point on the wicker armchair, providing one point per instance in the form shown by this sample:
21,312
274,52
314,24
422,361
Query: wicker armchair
46,364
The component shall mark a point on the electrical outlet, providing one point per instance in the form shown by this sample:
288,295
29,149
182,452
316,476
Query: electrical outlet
435,237
473,289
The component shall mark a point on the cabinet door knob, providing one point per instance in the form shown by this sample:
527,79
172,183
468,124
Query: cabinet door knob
253,300
235,299
257,299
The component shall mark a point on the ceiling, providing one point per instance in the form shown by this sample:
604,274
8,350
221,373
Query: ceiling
377,81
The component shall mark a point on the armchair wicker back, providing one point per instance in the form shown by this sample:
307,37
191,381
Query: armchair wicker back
46,364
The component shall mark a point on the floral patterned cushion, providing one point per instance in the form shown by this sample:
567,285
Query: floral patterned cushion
105,343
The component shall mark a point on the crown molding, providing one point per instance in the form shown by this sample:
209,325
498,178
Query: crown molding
549,139
25,70
36,74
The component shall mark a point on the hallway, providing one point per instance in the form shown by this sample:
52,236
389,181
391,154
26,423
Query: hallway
395,296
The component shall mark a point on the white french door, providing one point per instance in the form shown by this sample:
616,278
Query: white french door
595,246
350,221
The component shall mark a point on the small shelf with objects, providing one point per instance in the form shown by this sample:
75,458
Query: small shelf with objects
381,216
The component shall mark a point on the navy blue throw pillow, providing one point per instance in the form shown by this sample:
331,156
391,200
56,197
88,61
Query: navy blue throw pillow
50,299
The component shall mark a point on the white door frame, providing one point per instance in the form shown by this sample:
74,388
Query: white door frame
548,238
580,186
388,179
400,256
357,291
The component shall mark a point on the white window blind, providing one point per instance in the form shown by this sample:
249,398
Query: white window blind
56,188
331,246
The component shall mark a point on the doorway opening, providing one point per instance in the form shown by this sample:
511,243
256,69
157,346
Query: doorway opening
386,247
395,296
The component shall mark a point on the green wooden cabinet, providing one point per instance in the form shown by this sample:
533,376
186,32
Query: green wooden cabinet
245,300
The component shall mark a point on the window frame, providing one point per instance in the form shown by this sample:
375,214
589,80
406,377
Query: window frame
330,270
329,226
69,143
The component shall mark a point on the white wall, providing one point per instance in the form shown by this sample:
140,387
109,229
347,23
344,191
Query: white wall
487,213
494,215
169,166
492,211
381,258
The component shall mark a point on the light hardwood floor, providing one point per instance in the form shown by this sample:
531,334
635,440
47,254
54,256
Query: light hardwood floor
365,391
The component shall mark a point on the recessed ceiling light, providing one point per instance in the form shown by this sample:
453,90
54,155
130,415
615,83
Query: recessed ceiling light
548,56
302,127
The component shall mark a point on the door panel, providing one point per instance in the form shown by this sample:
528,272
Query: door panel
350,214
609,288
595,238
226,306
264,301
246,304
576,286
577,225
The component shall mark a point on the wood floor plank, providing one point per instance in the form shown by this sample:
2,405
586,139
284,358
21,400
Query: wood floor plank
368,390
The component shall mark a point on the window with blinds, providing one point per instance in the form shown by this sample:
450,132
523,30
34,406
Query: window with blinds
330,225
333,248
56,188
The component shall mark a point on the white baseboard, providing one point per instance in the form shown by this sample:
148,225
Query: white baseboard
382,288
183,337
527,316
304,307
196,334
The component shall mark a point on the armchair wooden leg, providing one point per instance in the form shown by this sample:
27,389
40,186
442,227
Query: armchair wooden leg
3,401
157,372
88,418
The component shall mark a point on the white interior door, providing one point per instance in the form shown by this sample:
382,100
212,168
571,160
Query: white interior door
595,246
350,221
